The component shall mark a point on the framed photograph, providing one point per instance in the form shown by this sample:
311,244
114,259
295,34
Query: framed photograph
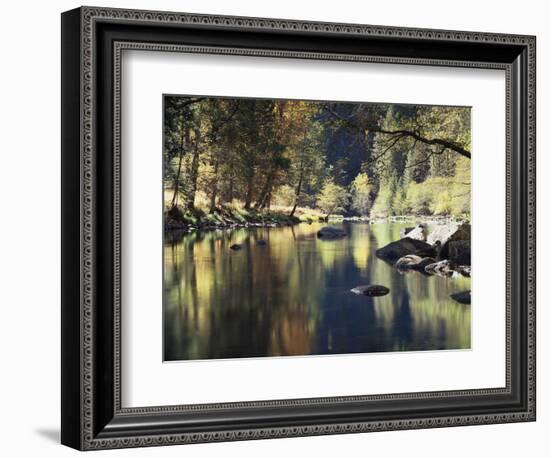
276,228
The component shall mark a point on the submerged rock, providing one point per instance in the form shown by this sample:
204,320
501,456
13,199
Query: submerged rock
261,242
370,290
236,246
331,232
395,250
462,297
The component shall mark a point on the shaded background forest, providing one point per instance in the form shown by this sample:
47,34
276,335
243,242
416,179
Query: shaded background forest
293,158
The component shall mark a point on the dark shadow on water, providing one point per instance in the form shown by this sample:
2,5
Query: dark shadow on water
53,435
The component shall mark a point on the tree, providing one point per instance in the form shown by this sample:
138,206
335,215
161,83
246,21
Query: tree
303,136
220,153
382,206
443,128
360,194
274,163
332,198
177,125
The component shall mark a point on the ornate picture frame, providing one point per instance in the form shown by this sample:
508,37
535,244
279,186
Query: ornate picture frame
93,416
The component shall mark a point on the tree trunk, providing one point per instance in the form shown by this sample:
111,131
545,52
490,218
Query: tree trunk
184,137
229,194
268,203
194,173
214,187
249,185
298,191
266,191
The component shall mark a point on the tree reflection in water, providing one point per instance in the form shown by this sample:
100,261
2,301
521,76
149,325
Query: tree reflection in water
291,296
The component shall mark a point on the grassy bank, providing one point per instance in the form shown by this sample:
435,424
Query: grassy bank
235,216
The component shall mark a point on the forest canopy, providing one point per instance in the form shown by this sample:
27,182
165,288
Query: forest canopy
302,158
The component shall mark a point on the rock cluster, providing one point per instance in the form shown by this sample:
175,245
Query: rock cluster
445,251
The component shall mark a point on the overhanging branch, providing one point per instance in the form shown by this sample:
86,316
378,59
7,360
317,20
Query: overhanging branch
401,133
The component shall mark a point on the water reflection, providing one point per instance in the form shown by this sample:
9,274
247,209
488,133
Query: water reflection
291,296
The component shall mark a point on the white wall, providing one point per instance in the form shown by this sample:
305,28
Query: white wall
30,241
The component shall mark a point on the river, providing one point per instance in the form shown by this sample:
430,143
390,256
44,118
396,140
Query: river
292,296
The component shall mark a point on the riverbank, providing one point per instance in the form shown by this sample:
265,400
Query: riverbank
224,218
421,219
227,217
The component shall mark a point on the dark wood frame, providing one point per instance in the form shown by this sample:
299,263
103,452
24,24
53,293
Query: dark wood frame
92,42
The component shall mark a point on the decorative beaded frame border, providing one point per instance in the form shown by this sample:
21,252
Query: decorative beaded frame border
88,17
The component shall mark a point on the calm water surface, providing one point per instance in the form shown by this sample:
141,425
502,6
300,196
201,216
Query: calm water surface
291,297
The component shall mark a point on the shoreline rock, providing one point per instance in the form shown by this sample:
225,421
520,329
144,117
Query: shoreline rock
394,251
179,226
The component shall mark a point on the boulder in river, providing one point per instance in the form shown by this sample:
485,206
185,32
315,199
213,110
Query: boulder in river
430,251
418,232
452,231
413,262
463,297
331,232
370,290
395,250
404,230
236,246
457,251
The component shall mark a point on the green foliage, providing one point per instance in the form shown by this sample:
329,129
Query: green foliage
416,177
419,198
284,196
251,155
461,189
439,196
400,205
434,196
382,207
360,194
332,198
